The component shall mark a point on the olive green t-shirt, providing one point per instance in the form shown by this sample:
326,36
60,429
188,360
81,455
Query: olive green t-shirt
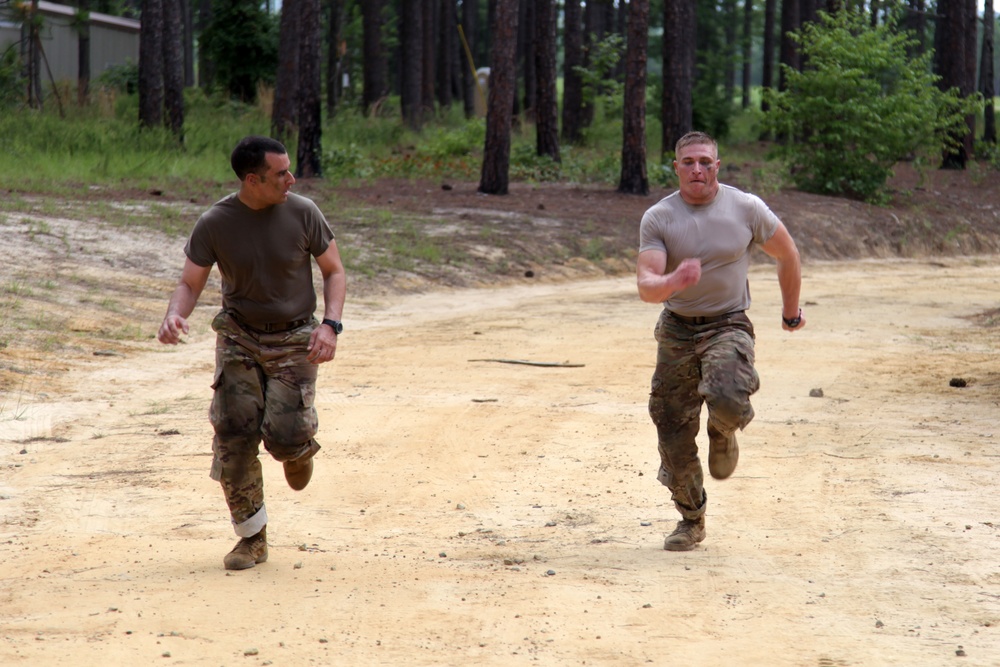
264,256
720,234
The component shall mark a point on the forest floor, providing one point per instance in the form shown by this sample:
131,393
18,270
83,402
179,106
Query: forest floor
469,510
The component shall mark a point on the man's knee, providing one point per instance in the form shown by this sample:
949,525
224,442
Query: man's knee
728,414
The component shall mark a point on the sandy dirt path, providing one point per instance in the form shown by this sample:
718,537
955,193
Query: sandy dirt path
481,513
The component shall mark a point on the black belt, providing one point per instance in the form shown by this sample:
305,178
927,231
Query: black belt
704,319
275,327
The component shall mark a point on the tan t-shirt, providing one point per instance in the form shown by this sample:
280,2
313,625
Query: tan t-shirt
265,256
719,233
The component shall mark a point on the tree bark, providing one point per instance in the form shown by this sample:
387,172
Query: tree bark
680,22
767,72
986,86
173,68
285,104
429,43
789,51
374,65
593,32
527,31
572,112
206,68
950,40
411,70
188,41
496,154
747,51
334,78
546,100
310,108
634,179
731,27
83,54
470,11
151,64
447,37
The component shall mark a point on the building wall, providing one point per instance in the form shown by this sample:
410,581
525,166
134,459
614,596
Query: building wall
113,41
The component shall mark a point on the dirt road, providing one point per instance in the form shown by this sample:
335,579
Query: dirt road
470,512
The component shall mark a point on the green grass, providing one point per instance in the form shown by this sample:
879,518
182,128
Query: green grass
102,147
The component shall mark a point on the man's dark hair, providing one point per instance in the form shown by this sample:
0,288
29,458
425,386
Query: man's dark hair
249,156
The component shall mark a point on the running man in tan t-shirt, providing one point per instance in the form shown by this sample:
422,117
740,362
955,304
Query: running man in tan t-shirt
694,255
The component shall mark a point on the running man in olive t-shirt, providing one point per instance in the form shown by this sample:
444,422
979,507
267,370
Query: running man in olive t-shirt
694,254
268,343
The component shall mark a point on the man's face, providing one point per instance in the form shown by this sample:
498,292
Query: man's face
697,167
272,188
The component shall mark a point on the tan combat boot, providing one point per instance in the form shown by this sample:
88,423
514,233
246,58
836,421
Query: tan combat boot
298,473
248,552
723,453
686,536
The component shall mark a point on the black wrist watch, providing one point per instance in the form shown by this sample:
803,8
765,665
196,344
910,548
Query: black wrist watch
336,325
793,322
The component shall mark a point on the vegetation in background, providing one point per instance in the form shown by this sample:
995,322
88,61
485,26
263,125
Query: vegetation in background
861,105
242,41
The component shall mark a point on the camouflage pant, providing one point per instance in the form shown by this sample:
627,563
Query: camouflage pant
695,364
264,389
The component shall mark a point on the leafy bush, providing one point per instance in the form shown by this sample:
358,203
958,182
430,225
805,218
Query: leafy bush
123,78
527,164
11,83
861,105
242,41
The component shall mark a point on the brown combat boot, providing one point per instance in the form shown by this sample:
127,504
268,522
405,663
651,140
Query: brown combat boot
723,453
686,536
298,473
248,552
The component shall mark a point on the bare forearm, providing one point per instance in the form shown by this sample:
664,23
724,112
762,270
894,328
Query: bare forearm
334,295
182,301
790,282
656,289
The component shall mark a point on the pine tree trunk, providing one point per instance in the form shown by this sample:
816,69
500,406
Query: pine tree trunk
310,108
572,113
188,42
375,66
680,24
789,52
747,51
950,50
767,72
173,68
206,68
446,50
634,179
411,71
986,86
285,104
496,155
151,64
470,88
732,22
429,44
334,79
83,56
547,103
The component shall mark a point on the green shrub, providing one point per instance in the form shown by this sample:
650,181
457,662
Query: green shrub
11,83
860,105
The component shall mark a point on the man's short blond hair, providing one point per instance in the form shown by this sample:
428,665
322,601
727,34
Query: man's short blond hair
693,138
